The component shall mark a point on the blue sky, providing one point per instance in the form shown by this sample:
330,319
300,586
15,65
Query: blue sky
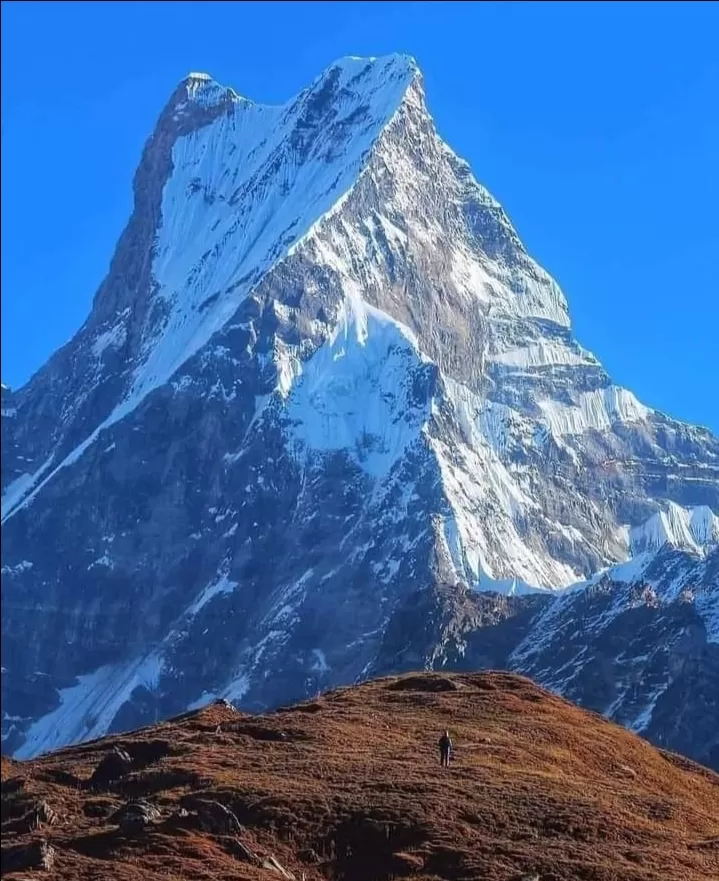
595,124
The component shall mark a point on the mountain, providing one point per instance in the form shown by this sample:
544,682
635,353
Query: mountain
323,387
349,786
640,647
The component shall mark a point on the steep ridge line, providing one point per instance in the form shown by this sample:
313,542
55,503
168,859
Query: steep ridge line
187,330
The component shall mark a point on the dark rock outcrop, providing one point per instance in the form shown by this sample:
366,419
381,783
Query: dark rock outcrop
21,857
135,816
114,766
212,816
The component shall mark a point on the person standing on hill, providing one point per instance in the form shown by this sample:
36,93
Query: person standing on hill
445,749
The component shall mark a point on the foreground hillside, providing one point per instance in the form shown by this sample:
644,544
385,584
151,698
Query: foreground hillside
349,787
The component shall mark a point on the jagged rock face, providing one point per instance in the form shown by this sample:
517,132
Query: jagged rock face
321,374
643,651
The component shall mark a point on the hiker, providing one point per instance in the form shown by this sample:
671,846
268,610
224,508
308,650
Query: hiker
445,749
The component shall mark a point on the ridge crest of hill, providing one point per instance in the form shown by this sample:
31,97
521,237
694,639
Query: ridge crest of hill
349,786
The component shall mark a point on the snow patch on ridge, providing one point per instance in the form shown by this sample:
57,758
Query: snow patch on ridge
114,337
598,410
203,700
543,354
221,586
18,569
695,529
237,688
88,708
355,392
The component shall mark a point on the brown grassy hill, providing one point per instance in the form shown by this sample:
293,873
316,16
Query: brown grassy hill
349,787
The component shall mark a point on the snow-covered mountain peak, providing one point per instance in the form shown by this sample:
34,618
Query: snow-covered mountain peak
201,90
368,72
365,71
378,80
249,186
228,188
358,91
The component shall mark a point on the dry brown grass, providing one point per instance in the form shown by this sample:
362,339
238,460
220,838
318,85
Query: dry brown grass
349,787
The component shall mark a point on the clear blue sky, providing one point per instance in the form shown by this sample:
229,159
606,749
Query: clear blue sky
595,124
